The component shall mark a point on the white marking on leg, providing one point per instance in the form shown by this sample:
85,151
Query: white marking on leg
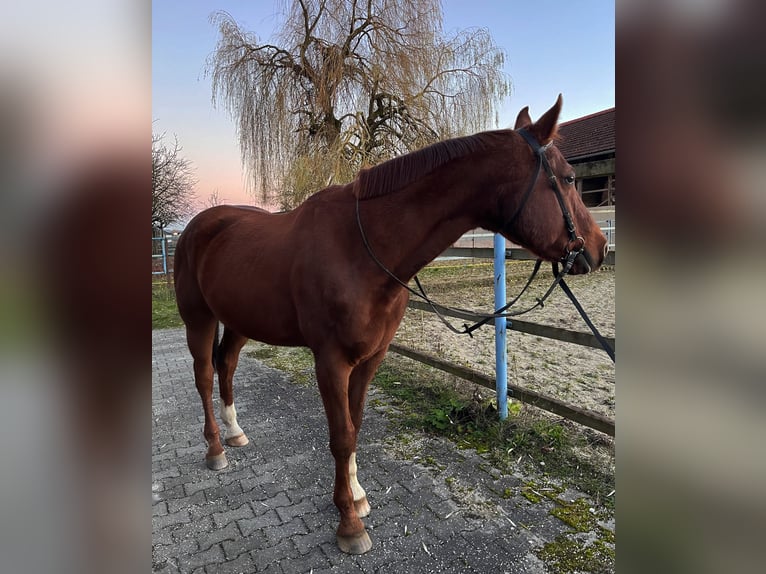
229,417
356,488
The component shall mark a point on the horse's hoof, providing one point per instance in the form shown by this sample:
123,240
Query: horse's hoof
362,507
217,462
358,544
239,440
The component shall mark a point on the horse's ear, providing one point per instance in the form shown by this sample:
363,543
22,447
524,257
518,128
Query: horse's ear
544,129
523,119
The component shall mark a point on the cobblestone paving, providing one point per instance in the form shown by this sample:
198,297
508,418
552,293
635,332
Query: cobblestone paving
271,510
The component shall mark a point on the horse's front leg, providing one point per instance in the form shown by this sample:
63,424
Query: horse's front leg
333,378
359,382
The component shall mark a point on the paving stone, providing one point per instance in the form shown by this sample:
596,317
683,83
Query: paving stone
193,487
223,518
269,519
161,522
179,502
159,508
285,531
308,544
218,535
287,513
235,548
273,555
213,555
242,564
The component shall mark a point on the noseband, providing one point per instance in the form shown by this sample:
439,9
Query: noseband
576,245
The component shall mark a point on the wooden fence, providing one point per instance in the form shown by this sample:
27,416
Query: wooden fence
580,415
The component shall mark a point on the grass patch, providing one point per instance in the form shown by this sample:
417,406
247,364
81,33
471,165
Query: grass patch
467,415
576,514
566,555
297,361
164,311
588,546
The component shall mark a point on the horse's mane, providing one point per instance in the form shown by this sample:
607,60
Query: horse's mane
398,172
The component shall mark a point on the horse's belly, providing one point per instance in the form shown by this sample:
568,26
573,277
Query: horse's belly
258,314
269,324
275,338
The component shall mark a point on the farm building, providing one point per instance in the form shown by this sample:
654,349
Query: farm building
588,144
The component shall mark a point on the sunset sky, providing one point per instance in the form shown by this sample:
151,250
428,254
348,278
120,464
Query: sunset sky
552,47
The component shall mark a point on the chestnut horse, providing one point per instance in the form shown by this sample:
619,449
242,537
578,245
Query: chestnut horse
315,276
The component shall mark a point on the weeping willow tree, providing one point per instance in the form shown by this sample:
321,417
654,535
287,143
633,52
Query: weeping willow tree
347,84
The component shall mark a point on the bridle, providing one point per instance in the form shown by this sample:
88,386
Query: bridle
571,253
568,259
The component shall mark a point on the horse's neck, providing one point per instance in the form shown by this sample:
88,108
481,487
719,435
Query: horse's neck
421,223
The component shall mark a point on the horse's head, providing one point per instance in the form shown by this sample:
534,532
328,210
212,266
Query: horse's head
541,208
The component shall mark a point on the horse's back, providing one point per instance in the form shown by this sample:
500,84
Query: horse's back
219,217
207,225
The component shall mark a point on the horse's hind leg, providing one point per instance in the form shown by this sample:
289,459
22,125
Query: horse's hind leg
200,337
226,362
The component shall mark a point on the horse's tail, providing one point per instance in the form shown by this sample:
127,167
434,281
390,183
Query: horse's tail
216,346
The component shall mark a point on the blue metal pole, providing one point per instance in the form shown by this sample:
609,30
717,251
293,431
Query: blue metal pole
501,352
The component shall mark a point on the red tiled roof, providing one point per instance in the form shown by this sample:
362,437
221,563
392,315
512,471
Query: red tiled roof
587,136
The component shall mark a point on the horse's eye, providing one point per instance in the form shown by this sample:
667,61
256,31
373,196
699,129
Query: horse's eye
570,179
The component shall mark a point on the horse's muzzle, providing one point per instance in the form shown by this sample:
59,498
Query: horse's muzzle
585,262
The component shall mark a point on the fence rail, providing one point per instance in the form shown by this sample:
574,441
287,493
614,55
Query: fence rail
499,383
160,245
557,333
585,417
163,251
511,253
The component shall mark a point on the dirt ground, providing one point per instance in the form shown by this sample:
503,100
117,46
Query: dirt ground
582,376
